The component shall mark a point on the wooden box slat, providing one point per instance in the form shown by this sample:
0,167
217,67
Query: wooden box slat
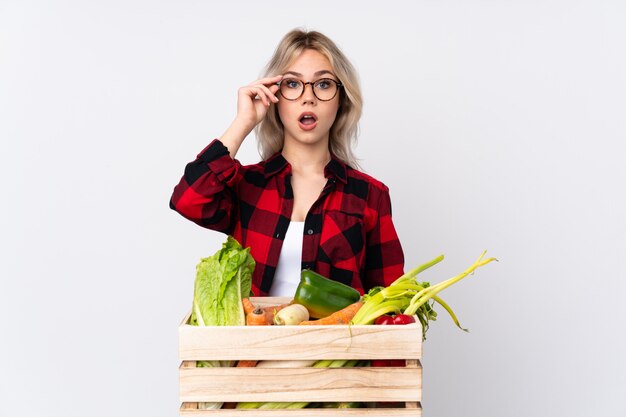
300,342
308,412
300,384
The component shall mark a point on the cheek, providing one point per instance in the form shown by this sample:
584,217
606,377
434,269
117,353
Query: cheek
283,111
332,113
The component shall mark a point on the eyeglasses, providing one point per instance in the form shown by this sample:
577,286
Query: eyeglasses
325,89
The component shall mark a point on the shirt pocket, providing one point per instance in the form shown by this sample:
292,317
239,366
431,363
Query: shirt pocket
343,239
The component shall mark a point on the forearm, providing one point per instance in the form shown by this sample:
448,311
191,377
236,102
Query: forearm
234,136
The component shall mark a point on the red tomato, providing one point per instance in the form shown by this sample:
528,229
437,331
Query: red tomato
384,320
391,320
403,319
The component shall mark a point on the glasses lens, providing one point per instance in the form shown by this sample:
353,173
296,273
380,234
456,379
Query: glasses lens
291,88
325,89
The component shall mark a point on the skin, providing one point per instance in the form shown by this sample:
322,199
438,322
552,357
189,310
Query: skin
306,151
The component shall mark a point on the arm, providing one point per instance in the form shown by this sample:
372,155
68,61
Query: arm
384,256
205,193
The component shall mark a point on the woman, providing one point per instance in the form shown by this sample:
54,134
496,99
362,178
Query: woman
304,205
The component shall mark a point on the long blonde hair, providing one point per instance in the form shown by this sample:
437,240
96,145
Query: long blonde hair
344,131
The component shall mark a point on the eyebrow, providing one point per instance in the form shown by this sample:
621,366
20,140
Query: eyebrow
317,74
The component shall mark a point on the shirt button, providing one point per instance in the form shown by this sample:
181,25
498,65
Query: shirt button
310,231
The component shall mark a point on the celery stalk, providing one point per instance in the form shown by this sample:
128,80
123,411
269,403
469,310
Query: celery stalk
413,272
427,293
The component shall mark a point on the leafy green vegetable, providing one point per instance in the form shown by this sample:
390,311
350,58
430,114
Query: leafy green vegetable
222,280
408,296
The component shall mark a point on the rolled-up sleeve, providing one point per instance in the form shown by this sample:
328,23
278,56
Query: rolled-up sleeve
205,193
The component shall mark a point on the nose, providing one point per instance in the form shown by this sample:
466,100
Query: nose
307,95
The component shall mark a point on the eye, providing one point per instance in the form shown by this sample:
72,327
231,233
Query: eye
291,83
323,84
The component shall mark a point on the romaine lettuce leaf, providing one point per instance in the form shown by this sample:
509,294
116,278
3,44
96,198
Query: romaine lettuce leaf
222,280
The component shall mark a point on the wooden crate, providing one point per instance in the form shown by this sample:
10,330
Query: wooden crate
362,384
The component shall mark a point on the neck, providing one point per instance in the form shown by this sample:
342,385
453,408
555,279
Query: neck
307,158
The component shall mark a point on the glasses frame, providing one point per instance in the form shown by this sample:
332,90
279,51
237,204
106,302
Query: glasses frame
312,83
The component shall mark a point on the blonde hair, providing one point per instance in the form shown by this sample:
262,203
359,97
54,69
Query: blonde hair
344,131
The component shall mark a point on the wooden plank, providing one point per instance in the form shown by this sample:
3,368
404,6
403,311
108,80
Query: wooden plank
300,342
300,384
413,363
308,412
269,301
188,406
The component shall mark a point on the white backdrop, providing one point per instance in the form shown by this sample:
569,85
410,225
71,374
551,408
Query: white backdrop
497,125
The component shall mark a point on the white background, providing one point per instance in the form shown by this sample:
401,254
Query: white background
497,125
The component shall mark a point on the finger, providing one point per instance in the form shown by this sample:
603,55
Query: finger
267,80
255,93
274,89
260,94
269,92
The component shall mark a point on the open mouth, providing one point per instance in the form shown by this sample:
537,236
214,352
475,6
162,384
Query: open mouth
307,121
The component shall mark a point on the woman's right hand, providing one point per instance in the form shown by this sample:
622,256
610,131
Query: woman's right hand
254,100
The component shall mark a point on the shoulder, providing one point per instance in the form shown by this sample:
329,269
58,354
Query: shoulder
374,186
257,167
375,194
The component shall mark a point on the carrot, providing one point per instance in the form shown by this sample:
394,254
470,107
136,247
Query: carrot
246,364
248,307
257,318
342,316
270,311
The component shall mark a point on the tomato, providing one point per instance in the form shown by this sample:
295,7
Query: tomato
403,319
384,320
391,320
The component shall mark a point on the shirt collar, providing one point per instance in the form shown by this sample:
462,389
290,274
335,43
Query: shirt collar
334,169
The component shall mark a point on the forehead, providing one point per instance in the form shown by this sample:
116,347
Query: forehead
309,62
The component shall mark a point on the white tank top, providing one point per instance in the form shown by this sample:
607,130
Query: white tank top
287,276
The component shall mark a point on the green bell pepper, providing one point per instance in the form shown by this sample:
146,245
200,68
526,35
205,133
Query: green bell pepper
323,296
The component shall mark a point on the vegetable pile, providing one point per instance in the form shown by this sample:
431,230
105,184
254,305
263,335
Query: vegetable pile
223,283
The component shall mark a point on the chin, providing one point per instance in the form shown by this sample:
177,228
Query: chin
309,137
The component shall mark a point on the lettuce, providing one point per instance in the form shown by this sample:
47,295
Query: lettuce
222,280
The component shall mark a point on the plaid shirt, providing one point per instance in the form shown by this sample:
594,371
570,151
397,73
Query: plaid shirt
348,232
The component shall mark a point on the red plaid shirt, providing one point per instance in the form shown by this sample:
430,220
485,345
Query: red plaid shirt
348,232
